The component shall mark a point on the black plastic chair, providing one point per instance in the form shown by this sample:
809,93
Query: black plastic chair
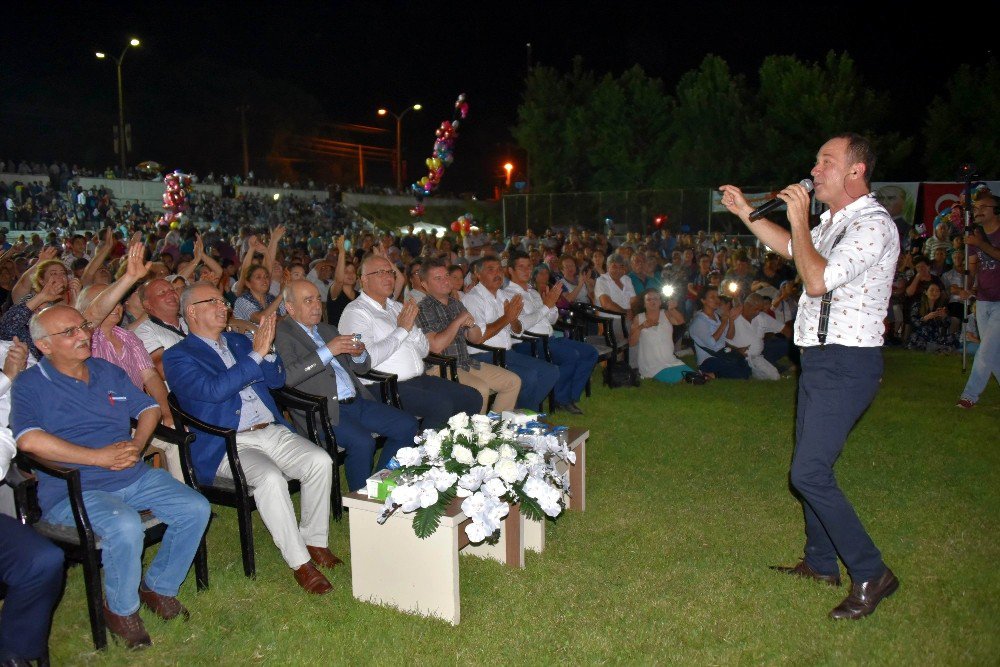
79,542
234,492
319,430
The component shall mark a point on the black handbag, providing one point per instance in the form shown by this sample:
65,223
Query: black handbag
620,375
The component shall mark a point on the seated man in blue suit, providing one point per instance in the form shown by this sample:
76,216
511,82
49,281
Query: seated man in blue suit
223,379
319,360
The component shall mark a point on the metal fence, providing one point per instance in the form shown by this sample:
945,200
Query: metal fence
686,210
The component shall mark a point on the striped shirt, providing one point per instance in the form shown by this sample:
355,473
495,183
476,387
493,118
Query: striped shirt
134,359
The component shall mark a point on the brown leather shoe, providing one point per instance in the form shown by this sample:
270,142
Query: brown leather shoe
865,596
167,608
311,579
323,557
803,569
127,628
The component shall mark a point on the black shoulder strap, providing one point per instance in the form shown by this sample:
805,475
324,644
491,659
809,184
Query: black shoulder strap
824,308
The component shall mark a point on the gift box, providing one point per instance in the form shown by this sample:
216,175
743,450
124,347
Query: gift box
381,484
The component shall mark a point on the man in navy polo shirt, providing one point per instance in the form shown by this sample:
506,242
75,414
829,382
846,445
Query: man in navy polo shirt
75,410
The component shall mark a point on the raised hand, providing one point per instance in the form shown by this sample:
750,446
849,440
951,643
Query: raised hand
136,268
48,252
734,201
796,198
199,248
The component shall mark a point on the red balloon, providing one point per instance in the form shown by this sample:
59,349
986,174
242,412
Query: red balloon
456,226
466,226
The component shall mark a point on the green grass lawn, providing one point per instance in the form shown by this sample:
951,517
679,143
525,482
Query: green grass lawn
687,506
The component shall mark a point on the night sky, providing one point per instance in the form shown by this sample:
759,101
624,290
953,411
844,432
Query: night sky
59,101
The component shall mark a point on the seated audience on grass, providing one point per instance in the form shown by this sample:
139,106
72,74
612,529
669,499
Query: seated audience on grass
653,336
496,313
223,378
614,292
931,327
74,409
755,331
709,329
319,360
448,325
576,360
953,284
396,345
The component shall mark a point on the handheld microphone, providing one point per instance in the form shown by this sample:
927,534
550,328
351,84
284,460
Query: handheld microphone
772,204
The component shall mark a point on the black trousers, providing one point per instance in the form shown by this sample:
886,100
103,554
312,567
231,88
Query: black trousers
436,399
836,386
32,569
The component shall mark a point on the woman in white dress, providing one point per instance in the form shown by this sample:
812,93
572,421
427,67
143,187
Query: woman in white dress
653,333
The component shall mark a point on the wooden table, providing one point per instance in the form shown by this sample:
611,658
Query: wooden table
390,565
534,531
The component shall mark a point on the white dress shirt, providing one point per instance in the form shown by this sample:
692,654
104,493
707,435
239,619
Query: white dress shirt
535,317
486,307
393,348
5,383
859,270
621,296
751,334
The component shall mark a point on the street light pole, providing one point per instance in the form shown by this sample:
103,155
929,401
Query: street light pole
122,153
399,139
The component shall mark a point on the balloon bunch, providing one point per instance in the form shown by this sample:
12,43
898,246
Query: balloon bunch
463,224
443,156
175,197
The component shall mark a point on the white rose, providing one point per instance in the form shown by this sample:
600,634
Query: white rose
408,456
507,452
533,458
487,456
408,497
428,495
459,421
462,454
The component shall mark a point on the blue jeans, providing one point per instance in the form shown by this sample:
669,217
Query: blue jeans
987,360
358,420
115,518
537,377
836,386
576,362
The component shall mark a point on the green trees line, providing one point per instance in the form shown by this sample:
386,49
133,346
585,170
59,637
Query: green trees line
584,132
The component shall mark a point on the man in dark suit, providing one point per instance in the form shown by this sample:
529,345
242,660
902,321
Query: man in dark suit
318,360
223,379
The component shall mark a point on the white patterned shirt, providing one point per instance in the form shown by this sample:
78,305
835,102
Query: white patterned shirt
393,348
535,317
859,270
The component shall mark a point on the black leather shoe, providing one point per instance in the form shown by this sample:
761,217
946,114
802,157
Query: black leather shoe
570,408
802,569
865,596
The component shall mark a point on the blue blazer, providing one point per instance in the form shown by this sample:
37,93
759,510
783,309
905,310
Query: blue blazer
209,391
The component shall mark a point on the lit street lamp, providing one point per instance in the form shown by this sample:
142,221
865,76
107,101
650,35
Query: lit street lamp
399,139
508,167
121,101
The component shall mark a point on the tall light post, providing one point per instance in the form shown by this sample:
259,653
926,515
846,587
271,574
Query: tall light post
121,101
508,167
399,139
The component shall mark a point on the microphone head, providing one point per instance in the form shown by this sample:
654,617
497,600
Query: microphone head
807,184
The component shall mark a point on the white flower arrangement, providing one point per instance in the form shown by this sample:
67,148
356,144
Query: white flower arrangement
491,463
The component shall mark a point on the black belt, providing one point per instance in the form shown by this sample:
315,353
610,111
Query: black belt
347,401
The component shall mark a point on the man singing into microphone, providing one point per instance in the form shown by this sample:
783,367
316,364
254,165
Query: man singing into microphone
847,264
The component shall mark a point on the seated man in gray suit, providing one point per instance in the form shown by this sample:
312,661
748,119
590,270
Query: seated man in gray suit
318,360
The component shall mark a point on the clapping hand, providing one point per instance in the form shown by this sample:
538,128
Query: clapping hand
551,295
264,335
408,315
512,308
